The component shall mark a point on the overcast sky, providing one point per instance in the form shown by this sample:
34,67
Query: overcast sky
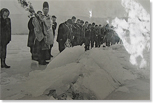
99,8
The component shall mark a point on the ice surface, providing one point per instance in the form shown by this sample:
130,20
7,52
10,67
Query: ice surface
101,73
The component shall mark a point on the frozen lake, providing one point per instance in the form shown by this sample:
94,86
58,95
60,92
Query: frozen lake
92,69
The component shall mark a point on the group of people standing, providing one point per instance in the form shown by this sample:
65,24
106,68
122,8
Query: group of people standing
77,32
41,36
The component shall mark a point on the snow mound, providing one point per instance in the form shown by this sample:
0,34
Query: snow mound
69,55
75,74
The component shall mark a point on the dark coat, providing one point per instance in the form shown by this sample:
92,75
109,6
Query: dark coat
31,36
76,30
78,34
92,33
54,27
87,36
64,33
5,34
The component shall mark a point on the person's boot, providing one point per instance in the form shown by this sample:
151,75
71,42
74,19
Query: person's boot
3,64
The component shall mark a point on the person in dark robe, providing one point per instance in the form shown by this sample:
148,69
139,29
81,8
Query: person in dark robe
31,38
87,37
5,35
64,33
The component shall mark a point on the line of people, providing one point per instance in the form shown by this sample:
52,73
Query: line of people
75,32
41,36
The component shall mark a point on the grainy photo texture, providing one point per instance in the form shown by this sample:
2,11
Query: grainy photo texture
75,49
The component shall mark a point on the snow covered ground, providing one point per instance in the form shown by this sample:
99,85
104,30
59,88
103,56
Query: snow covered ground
100,73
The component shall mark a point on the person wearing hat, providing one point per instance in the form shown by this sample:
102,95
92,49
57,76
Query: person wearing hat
47,29
54,24
101,35
85,26
92,35
108,35
5,35
76,33
82,35
87,37
64,36
73,27
73,19
97,36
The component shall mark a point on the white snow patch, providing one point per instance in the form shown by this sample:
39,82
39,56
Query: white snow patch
97,72
123,89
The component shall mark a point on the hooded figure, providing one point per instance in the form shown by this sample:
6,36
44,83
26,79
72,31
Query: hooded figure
5,35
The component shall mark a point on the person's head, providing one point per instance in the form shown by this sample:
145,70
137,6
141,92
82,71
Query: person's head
89,26
69,22
107,25
73,19
54,18
45,8
39,13
93,24
4,13
86,23
78,21
99,25
81,22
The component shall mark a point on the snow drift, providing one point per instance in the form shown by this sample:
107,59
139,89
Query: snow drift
75,74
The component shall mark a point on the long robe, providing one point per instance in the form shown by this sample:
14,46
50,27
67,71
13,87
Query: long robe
31,36
40,45
48,30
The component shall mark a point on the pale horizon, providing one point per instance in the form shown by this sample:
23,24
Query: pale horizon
64,9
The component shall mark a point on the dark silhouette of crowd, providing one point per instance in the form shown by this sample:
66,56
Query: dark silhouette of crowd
42,27
77,32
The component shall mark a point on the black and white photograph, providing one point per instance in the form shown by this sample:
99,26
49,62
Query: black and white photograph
74,50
